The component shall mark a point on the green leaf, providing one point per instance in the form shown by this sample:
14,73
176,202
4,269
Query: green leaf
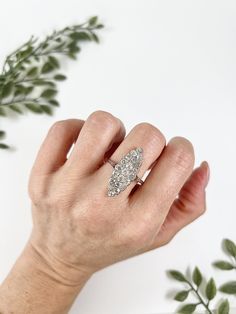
80,36
4,146
47,109
188,308
34,107
210,289
32,72
230,247
2,134
181,296
71,56
60,77
95,37
229,287
15,108
28,90
54,62
223,265
54,102
99,26
177,275
223,308
47,68
42,83
7,89
197,276
2,112
19,90
93,20
73,48
48,93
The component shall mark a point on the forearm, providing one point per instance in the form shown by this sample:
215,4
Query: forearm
33,286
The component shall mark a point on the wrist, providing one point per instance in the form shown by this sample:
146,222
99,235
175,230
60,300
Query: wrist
39,285
53,269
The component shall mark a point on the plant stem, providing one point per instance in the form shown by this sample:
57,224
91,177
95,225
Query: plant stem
206,305
20,101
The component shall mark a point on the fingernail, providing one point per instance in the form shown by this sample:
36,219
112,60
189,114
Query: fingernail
205,165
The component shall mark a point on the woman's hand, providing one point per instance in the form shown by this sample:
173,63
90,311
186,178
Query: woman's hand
78,229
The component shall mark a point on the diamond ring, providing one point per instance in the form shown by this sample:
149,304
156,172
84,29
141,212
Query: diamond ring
125,171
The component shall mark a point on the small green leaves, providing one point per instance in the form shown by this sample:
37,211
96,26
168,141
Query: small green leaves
223,265
93,21
47,109
2,134
210,289
229,287
177,275
31,73
188,308
230,247
34,107
15,108
53,102
80,36
4,146
224,307
54,62
7,89
47,68
48,93
197,277
2,112
59,77
182,295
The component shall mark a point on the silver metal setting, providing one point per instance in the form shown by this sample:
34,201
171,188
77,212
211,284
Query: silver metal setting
125,171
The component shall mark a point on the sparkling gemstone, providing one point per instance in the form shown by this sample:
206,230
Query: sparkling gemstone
125,171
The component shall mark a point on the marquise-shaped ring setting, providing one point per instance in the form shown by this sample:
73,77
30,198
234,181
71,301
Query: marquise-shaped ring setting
125,171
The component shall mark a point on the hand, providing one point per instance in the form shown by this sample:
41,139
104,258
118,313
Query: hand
77,227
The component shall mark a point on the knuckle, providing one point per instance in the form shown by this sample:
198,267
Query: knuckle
60,128
104,119
182,152
58,125
147,129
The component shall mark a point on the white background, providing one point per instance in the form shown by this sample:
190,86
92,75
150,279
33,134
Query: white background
172,63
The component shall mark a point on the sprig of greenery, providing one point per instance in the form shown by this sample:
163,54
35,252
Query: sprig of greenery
30,74
230,248
193,287
205,291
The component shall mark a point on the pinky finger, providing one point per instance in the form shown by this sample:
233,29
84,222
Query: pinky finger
190,204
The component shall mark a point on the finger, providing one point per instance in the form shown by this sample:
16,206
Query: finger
100,131
53,152
143,135
164,181
190,204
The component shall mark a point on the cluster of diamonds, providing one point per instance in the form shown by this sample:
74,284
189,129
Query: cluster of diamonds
125,171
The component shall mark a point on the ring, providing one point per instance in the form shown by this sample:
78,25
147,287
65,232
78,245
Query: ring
125,171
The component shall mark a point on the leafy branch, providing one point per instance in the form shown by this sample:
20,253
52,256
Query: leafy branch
193,286
230,248
205,291
30,74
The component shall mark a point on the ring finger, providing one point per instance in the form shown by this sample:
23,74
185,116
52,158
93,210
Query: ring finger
145,136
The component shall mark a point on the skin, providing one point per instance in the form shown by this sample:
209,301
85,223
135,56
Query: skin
78,229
